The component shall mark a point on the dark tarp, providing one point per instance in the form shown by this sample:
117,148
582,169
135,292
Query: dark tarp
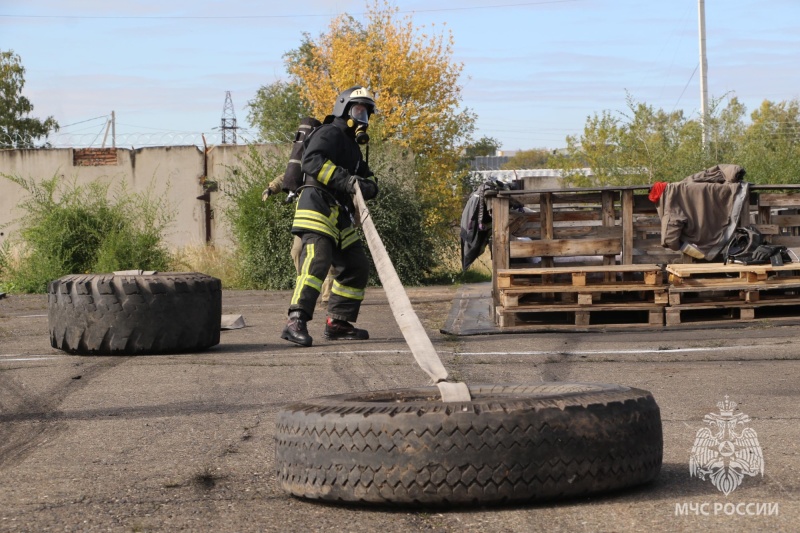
476,222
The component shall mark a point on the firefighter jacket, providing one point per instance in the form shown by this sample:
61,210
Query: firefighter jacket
700,213
331,158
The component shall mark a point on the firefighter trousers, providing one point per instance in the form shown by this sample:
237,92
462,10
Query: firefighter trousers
350,275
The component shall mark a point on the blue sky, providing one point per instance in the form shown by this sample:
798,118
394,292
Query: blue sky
533,71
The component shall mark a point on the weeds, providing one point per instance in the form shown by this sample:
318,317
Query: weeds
72,229
261,230
210,260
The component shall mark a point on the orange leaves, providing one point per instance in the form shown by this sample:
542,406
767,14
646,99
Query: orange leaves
413,76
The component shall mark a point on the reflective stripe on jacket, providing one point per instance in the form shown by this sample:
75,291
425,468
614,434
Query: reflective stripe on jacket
331,157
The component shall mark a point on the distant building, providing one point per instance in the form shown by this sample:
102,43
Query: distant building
489,162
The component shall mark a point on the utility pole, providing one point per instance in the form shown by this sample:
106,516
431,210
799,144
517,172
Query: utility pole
701,12
112,124
228,124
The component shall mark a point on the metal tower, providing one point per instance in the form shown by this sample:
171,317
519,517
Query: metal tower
228,125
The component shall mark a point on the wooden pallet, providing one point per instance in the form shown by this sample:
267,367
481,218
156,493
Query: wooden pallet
581,285
710,273
726,312
715,293
580,276
718,283
567,317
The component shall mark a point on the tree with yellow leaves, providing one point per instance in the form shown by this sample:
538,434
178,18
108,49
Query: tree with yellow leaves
417,93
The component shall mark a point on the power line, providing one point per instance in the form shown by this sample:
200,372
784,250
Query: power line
82,121
247,17
685,86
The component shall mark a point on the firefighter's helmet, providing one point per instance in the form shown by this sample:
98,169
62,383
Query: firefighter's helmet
354,95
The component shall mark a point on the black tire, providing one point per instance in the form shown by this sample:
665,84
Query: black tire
510,443
107,314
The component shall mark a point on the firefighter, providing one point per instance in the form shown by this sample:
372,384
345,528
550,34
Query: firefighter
333,163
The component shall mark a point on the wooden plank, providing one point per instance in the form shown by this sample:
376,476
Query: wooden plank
581,317
778,200
566,197
686,270
784,220
564,247
655,317
500,240
736,311
733,284
627,227
571,232
772,229
609,218
786,240
546,209
583,215
600,287
598,268
764,214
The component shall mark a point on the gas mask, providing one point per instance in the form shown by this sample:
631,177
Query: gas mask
359,119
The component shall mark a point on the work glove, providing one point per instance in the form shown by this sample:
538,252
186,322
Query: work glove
764,252
369,188
274,187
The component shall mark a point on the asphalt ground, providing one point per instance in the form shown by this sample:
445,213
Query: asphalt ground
185,442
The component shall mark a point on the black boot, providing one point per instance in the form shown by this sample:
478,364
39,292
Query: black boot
340,330
296,330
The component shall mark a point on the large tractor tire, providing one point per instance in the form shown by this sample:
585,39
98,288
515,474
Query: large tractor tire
108,314
511,443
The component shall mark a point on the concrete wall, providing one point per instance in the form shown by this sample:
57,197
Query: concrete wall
175,172
533,179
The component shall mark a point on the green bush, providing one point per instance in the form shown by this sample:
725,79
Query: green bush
73,229
261,230
399,218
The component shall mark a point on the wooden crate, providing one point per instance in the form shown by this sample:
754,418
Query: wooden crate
716,282
714,292
726,312
584,285
569,316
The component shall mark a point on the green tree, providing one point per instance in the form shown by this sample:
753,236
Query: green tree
643,145
525,159
485,146
770,151
418,95
17,129
276,111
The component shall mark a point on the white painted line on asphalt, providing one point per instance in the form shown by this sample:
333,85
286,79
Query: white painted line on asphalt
616,352
31,316
47,355
28,359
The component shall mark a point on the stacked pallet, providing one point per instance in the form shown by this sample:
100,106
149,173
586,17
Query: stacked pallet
716,292
569,296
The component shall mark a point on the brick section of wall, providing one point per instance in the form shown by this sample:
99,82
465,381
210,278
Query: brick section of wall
94,157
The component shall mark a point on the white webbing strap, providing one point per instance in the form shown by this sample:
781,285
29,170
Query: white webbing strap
410,325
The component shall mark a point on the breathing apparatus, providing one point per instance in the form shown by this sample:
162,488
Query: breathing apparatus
359,119
356,104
